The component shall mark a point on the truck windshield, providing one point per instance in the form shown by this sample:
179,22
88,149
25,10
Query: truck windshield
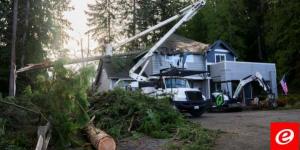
176,83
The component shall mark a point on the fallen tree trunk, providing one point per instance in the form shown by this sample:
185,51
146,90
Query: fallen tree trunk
48,64
99,139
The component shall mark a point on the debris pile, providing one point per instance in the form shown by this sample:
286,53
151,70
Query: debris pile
131,114
61,101
122,113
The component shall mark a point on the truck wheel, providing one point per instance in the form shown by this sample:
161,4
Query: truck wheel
195,113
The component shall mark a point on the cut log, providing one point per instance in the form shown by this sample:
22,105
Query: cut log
99,139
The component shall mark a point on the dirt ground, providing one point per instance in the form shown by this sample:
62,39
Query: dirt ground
248,130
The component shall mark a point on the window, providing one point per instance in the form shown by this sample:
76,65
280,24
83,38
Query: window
220,58
172,59
190,58
176,83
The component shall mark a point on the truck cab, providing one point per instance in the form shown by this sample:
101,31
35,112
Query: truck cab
182,96
185,98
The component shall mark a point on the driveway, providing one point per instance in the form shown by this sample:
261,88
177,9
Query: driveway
245,130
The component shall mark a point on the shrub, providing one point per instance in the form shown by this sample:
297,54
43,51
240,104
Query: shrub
119,112
292,100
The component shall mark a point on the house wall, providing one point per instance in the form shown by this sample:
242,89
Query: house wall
105,82
234,71
211,55
193,62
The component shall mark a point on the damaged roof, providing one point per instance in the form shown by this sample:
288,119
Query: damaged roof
179,44
119,66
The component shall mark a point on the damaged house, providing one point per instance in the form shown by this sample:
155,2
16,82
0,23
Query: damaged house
218,62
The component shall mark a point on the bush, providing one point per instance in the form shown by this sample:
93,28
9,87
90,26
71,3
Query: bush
119,112
291,100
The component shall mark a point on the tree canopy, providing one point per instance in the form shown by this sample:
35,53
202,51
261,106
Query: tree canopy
41,28
262,30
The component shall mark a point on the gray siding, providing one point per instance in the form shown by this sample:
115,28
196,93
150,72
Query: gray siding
232,71
105,82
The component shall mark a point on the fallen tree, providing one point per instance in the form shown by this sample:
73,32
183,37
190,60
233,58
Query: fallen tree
100,139
48,63
62,99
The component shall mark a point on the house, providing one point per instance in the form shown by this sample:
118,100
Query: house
217,62
177,51
226,72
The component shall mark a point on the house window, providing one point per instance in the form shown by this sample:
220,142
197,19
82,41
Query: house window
172,59
220,58
190,58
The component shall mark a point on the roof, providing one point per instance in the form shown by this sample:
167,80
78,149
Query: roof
179,44
118,66
224,45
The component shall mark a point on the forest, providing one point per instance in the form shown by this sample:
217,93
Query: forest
32,30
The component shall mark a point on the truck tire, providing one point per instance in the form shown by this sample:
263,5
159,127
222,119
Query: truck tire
196,113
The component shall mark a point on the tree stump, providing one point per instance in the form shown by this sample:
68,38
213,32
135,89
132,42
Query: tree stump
99,139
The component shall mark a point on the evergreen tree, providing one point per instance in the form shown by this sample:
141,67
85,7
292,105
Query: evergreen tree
112,20
45,31
282,38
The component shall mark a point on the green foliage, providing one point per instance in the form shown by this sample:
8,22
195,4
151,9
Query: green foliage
11,121
2,126
46,30
113,19
62,98
193,137
282,39
122,114
117,111
290,101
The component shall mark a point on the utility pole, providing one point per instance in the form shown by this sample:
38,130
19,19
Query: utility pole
81,49
88,44
134,23
12,76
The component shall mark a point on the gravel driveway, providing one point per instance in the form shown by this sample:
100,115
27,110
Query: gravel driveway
245,130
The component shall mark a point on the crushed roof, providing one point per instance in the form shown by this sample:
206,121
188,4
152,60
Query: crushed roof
179,44
119,66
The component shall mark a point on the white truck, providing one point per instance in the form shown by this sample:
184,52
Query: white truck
182,95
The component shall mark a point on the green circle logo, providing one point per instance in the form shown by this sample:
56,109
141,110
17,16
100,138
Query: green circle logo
220,100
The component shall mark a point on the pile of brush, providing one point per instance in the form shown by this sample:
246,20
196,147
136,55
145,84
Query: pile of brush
122,113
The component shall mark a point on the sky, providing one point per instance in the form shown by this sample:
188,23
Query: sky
78,20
